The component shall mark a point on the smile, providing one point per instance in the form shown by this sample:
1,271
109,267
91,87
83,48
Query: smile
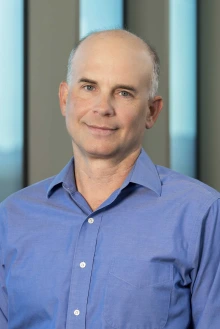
101,130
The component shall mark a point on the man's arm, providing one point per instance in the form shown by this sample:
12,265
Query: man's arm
3,299
3,320
206,279
3,295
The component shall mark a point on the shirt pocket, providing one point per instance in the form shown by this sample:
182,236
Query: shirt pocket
138,294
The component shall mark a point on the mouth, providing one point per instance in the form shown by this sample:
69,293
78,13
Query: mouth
101,130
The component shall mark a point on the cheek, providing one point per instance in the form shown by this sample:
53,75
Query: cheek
135,120
76,109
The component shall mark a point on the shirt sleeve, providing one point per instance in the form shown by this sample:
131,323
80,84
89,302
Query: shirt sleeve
3,295
205,300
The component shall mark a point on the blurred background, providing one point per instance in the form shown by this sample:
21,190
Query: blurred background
36,38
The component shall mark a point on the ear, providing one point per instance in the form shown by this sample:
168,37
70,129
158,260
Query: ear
155,107
63,96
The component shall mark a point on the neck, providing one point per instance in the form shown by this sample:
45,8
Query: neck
97,179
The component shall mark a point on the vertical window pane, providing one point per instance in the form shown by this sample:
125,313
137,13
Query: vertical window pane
182,94
100,15
11,96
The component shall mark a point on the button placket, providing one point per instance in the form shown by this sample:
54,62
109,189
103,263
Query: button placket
81,273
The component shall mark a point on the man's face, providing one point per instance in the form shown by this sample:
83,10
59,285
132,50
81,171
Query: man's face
106,106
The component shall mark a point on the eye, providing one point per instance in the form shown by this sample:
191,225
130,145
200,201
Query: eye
89,87
125,93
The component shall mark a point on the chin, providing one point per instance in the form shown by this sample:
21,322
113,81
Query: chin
101,152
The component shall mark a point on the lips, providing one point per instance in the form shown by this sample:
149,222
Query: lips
101,130
101,127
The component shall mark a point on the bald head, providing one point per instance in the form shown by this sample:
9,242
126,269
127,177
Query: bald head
121,40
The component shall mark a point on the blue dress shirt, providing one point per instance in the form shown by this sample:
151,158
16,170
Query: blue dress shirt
147,258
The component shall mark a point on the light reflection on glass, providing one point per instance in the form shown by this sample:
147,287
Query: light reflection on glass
182,95
11,96
101,15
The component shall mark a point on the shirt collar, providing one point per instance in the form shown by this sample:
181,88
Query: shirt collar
143,173
65,178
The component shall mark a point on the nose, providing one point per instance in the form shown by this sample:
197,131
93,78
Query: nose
104,106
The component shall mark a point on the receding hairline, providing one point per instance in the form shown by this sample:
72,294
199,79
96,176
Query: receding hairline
123,34
119,33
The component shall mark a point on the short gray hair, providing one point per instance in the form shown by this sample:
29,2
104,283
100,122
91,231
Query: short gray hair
155,72
152,52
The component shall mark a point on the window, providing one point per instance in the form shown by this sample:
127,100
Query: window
100,15
182,95
11,96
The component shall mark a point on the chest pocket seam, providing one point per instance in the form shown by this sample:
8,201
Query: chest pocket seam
124,293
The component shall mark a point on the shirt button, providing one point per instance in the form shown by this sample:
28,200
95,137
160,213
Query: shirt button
76,312
91,220
82,264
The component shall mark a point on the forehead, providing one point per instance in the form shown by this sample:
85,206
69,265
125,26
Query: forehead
113,56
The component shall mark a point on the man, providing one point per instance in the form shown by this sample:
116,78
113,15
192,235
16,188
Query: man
112,241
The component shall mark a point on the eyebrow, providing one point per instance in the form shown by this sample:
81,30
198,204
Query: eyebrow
118,86
87,80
